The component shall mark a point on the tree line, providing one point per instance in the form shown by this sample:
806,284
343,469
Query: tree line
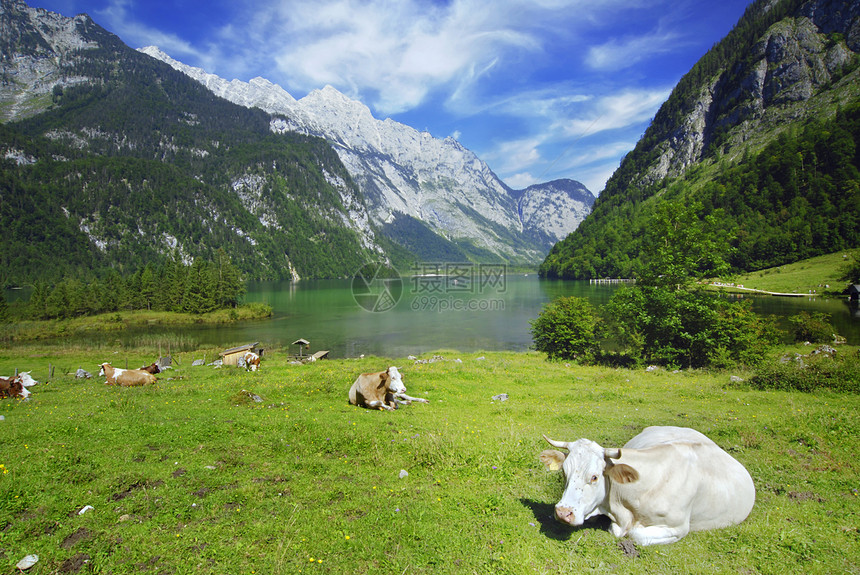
199,287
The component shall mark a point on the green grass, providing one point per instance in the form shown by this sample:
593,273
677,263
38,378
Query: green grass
33,330
807,276
193,476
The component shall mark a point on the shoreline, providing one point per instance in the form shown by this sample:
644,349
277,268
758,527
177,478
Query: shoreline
41,330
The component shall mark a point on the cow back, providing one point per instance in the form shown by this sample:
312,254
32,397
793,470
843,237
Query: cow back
368,387
134,377
688,475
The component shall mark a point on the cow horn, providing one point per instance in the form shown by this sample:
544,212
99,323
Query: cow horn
612,453
558,444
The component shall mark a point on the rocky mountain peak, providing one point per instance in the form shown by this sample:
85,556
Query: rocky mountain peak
791,61
401,170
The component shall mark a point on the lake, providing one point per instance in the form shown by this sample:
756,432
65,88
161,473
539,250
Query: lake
475,309
466,312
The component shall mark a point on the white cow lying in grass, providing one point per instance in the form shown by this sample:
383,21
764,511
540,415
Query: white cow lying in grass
664,483
381,390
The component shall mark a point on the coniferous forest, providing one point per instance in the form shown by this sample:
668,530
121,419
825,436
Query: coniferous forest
199,287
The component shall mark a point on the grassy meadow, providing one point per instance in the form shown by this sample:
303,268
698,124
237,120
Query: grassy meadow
811,275
193,475
34,330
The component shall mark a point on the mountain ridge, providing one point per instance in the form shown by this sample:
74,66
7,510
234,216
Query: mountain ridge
117,160
402,170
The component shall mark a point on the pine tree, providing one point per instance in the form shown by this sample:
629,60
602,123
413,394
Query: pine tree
147,287
199,294
4,309
37,307
228,286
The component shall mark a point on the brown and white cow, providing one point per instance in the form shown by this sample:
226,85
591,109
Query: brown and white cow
664,483
12,387
125,377
151,368
380,390
252,361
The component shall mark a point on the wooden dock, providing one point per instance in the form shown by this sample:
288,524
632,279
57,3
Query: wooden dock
611,281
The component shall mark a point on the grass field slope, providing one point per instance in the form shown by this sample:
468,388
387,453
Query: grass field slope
227,471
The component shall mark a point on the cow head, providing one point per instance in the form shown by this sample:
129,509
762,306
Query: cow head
588,469
395,381
102,370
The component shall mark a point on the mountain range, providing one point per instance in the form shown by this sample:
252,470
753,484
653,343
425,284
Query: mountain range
404,173
113,158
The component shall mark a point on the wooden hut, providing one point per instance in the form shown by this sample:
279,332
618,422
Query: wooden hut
304,345
231,356
305,354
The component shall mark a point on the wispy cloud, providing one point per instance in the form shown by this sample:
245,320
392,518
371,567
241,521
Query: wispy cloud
631,107
619,54
116,17
394,54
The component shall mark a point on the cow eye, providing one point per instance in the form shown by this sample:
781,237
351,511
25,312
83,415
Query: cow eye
594,478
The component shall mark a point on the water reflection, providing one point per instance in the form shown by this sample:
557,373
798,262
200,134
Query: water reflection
325,313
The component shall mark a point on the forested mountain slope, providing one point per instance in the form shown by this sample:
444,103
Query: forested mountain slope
121,161
763,132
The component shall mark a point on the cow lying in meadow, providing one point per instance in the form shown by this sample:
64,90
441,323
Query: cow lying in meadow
12,387
151,368
664,483
380,390
125,377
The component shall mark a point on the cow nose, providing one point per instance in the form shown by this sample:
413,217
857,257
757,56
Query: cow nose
566,515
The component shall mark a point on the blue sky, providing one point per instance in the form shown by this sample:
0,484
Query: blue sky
538,89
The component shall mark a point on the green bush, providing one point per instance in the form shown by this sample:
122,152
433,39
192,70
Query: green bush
812,327
687,328
567,329
839,372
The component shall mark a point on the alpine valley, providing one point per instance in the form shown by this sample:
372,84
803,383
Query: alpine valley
113,157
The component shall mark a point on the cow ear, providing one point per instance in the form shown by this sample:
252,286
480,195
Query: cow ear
552,459
622,473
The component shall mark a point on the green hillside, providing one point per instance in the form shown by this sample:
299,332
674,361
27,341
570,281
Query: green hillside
140,163
819,275
780,171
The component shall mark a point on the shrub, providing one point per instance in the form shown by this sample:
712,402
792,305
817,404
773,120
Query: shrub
812,327
566,329
688,328
840,372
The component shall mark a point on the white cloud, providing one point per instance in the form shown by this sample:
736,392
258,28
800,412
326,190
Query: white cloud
521,181
628,108
515,155
596,154
115,17
595,178
394,53
617,55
